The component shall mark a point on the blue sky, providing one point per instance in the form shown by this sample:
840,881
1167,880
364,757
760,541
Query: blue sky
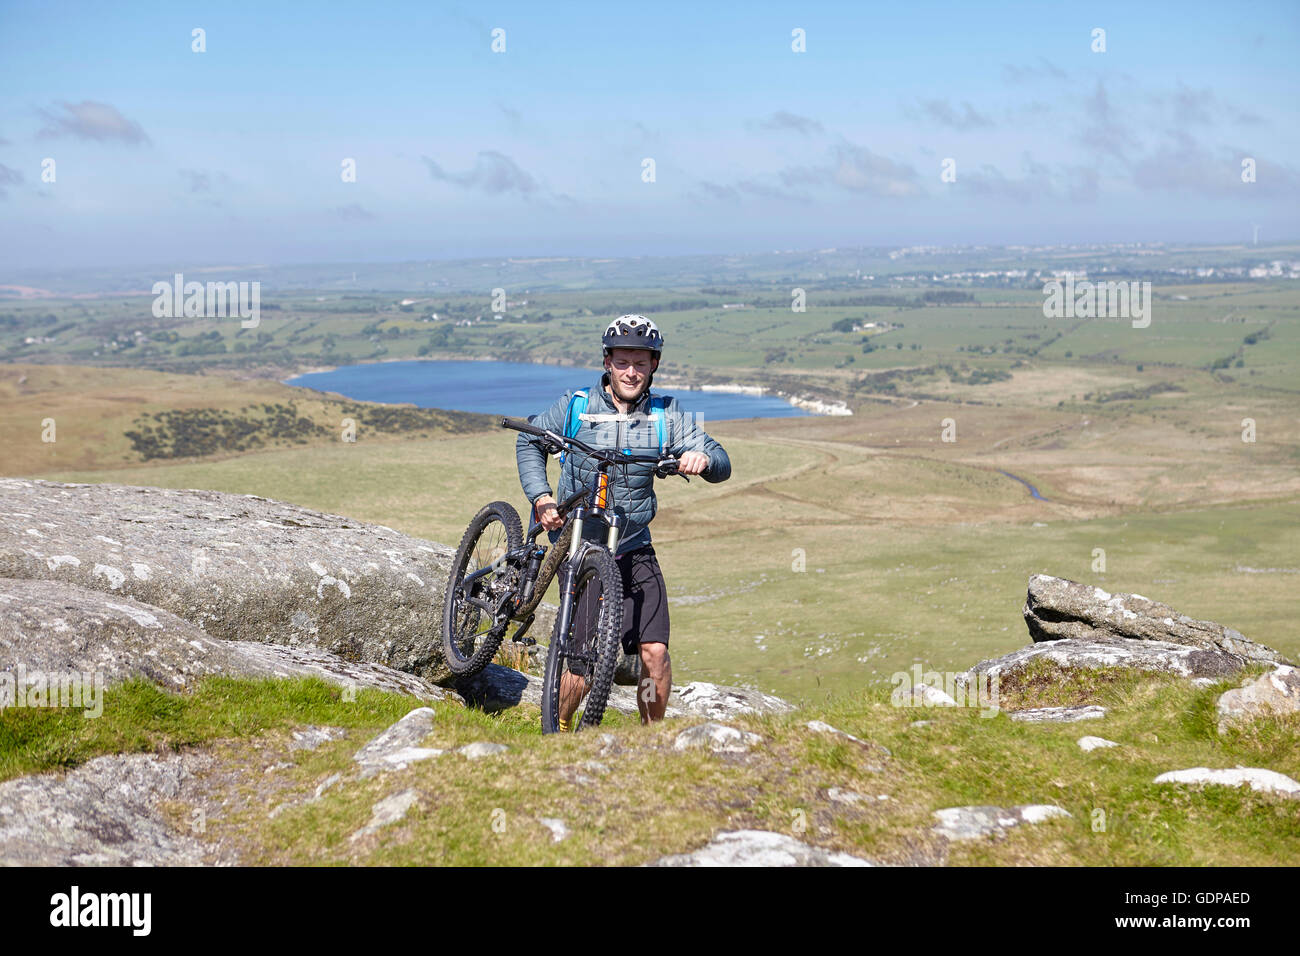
163,155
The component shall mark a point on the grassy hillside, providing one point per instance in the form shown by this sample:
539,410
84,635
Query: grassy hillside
913,549
110,417
488,811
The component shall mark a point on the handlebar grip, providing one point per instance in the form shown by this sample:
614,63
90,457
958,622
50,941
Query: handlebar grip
518,424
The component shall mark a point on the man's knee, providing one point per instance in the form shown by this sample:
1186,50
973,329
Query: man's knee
654,658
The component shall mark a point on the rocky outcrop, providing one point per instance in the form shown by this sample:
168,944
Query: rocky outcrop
1275,694
718,738
386,812
559,829
921,695
205,582
240,567
821,727
311,737
971,823
1058,715
759,848
1159,657
1057,609
55,628
1258,779
718,702
396,747
480,749
104,813
269,660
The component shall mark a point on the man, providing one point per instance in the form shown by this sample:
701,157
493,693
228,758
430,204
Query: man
618,415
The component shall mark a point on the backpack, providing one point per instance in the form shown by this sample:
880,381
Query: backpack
578,405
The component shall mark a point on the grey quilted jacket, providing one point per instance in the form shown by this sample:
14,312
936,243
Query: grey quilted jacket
604,427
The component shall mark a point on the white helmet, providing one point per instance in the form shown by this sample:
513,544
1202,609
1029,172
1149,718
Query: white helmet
633,332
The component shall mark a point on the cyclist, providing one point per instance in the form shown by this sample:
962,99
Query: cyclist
620,413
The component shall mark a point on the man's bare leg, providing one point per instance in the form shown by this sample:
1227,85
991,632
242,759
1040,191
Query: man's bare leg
656,682
572,689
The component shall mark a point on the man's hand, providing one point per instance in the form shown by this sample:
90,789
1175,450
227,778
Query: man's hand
548,512
692,463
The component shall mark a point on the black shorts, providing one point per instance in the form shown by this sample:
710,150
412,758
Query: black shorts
645,602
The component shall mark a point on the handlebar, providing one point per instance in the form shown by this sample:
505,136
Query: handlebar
553,442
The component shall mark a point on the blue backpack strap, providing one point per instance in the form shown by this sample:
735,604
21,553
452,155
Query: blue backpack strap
573,417
658,411
658,406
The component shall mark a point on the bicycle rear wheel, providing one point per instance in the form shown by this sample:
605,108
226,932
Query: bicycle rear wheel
470,634
589,650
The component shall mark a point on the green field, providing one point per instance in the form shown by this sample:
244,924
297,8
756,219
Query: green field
907,556
913,548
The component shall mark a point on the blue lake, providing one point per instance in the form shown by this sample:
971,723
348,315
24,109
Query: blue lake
517,389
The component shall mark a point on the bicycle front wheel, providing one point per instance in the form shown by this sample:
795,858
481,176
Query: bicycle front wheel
470,633
582,660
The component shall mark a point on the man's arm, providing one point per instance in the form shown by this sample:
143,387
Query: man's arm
685,435
532,459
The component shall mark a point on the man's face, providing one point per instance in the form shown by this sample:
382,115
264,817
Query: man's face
628,370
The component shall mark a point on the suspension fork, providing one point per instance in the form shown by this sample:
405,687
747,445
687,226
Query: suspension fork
568,579
577,548
601,507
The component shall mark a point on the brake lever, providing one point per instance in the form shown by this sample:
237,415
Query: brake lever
662,473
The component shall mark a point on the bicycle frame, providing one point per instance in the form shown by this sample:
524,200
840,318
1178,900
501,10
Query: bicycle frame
596,508
529,557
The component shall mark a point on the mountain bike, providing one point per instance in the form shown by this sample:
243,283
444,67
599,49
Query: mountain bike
500,574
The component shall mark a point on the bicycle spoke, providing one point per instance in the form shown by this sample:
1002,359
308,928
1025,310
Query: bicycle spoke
582,633
489,552
479,598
